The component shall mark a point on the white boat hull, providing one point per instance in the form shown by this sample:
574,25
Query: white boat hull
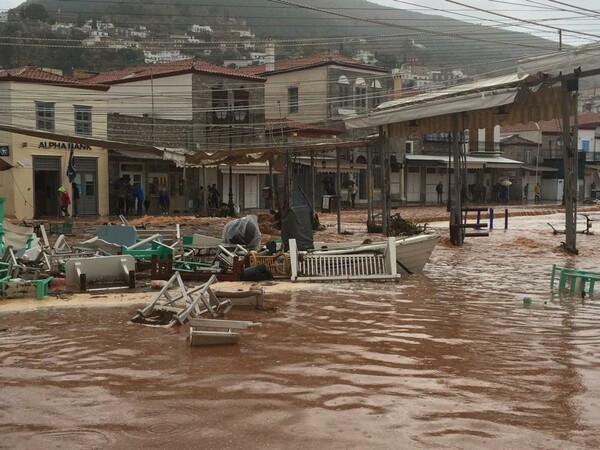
412,252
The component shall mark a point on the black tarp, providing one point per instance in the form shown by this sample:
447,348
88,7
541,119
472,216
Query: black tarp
297,224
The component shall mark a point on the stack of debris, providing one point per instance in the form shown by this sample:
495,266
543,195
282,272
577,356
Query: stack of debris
176,304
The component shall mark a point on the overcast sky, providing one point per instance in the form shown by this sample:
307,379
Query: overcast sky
583,16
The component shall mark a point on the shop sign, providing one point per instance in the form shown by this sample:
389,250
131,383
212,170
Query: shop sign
52,145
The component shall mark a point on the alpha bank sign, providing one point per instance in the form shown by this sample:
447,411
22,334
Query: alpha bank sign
52,145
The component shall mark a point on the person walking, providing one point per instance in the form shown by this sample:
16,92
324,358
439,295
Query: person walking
216,196
200,208
538,192
164,201
440,192
526,193
353,192
138,194
64,201
76,195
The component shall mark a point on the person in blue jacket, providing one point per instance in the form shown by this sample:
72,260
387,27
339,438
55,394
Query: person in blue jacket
138,194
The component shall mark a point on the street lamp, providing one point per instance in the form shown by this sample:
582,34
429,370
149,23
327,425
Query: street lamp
236,115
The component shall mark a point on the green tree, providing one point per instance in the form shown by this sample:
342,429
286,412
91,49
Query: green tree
34,11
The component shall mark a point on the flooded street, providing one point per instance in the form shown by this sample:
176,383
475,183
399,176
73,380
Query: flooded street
451,358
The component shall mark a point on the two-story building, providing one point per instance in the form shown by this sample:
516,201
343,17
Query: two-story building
185,107
45,106
323,89
545,157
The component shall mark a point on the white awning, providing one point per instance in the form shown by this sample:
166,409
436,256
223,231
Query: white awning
539,168
472,162
257,168
329,165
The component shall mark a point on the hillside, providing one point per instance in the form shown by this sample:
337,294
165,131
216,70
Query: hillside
433,39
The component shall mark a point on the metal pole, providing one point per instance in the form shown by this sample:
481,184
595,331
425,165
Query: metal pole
537,156
338,188
204,198
230,202
312,181
369,185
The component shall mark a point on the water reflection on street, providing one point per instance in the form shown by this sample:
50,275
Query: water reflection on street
451,358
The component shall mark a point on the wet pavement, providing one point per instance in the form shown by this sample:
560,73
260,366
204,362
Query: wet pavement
451,358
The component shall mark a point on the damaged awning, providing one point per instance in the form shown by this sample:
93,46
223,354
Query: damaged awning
472,162
250,154
175,155
582,59
504,100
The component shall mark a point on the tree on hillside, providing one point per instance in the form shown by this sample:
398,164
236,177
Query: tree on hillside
34,11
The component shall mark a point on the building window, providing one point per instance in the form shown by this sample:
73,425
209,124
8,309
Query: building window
585,145
44,115
376,93
344,94
408,147
83,120
528,157
360,96
293,99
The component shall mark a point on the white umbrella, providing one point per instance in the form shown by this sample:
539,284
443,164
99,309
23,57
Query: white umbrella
505,183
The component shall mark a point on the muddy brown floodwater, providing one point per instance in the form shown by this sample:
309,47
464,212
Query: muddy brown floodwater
451,358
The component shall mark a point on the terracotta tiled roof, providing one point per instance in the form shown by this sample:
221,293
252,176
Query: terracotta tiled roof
170,68
292,126
515,139
310,61
586,120
33,75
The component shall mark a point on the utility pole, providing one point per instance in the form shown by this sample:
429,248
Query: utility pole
569,85
456,230
384,183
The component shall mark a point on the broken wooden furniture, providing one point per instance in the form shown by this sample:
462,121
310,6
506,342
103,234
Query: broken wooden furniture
65,227
175,303
279,265
101,272
217,331
226,265
320,266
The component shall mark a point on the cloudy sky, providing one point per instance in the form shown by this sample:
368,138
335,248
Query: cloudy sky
583,16
575,15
